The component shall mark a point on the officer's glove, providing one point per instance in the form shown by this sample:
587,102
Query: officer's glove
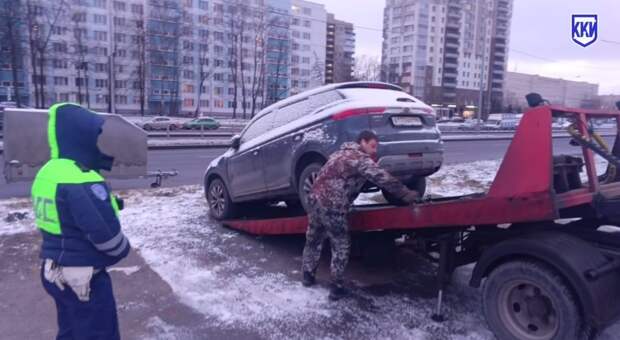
120,203
53,274
78,278
411,197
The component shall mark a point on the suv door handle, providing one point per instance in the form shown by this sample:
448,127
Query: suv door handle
255,152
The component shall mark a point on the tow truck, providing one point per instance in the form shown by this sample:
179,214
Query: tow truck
543,239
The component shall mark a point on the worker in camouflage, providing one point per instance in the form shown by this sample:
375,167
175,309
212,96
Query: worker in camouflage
336,187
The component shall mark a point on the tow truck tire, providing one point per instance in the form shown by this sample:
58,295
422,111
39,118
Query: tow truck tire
417,184
306,179
527,300
220,205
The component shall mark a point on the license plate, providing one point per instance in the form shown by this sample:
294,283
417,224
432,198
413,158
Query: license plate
406,121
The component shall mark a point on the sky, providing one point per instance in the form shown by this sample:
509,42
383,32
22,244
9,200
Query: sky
540,39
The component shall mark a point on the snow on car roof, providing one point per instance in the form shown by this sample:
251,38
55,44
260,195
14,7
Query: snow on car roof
305,94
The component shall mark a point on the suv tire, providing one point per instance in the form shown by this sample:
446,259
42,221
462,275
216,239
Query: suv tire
306,179
220,205
416,184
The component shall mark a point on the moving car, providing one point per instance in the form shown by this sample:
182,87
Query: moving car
161,123
205,123
278,154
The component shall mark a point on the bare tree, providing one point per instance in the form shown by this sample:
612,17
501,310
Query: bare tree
367,68
233,52
41,23
11,41
80,52
204,72
139,73
258,65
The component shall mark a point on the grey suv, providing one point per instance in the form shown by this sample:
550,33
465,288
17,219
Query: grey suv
279,153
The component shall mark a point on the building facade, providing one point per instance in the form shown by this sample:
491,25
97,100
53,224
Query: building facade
556,91
184,57
449,53
339,60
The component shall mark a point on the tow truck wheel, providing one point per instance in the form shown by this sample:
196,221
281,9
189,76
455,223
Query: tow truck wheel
220,205
417,184
525,300
306,180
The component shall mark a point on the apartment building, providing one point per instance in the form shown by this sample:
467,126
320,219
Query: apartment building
448,52
308,44
170,56
339,60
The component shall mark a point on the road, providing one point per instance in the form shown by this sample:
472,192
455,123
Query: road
191,163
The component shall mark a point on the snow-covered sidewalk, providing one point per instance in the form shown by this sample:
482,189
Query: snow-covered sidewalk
252,283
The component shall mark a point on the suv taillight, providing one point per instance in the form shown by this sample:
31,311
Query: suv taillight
358,112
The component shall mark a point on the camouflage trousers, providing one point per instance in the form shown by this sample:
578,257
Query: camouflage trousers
332,225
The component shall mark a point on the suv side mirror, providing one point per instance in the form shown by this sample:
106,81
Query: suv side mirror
235,142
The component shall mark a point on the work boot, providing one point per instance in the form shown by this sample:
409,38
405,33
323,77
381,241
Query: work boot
337,291
308,279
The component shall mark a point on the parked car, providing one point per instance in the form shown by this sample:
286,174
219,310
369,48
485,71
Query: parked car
205,123
471,124
161,123
278,154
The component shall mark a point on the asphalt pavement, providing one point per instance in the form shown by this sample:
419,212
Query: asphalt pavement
191,163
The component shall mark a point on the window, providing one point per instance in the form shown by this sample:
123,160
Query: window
120,37
137,9
121,53
296,34
101,83
305,60
100,3
100,67
188,74
307,23
203,19
307,11
188,102
258,127
121,99
61,81
119,6
101,35
218,77
119,22
188,88
60,63
100,19
203,4
307,36
120,84
187,60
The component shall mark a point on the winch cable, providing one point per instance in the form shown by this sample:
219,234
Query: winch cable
600,147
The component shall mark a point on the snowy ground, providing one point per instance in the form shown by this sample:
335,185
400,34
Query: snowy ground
252,283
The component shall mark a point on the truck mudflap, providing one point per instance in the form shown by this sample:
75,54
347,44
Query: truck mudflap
574,259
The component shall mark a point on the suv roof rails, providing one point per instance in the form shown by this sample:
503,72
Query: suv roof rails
369,85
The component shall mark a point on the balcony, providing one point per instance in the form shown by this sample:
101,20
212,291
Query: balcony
451,54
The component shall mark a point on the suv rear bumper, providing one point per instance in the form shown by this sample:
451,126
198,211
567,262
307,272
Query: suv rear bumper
404,166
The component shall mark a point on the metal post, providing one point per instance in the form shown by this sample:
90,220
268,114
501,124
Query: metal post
444,272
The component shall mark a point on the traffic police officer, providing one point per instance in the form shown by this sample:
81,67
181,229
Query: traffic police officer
78,218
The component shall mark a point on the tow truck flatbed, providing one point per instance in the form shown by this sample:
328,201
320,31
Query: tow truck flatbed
542,279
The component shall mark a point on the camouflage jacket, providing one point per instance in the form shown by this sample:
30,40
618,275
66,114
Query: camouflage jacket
340,180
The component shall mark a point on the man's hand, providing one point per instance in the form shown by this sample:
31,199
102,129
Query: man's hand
411,197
